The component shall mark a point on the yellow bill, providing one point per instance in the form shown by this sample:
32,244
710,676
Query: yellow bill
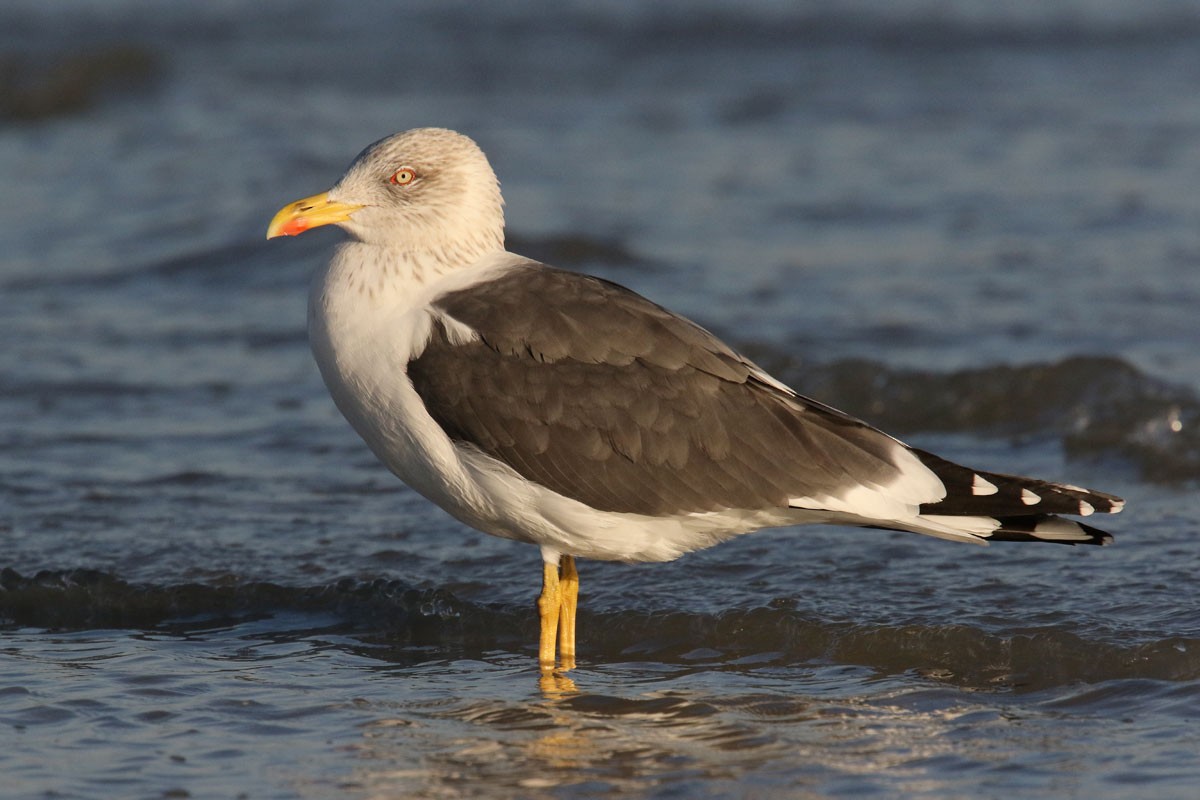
311,212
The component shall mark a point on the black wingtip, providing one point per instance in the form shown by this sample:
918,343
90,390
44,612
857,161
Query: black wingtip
1048,528
975,492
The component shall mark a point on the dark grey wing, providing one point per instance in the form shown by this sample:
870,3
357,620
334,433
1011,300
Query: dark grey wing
596,393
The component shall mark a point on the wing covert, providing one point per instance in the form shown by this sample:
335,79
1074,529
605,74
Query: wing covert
600,395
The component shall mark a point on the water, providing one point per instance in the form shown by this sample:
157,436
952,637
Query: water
974,225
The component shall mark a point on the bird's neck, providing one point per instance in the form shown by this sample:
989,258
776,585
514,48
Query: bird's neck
367,307
366,285
385,273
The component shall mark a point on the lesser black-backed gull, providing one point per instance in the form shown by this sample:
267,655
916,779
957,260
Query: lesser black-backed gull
566,411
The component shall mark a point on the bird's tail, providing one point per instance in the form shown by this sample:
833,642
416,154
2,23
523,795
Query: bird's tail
989,506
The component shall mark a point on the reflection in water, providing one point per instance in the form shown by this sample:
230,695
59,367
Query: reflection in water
555,685
613,736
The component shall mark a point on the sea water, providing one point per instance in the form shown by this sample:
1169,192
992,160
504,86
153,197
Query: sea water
974,225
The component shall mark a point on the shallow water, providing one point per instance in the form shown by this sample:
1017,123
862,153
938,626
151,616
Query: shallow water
977,229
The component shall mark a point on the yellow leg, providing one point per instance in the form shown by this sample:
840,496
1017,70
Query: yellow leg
549,608
569,599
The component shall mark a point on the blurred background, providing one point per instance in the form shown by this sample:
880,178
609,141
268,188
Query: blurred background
974,224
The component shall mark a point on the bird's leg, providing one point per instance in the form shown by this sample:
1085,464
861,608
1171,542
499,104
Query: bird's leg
549,608
569,598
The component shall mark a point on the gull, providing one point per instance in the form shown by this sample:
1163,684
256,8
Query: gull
567,411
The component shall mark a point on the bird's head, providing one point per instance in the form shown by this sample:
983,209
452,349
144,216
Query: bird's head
423,189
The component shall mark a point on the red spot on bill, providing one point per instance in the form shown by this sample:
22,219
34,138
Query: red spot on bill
294,227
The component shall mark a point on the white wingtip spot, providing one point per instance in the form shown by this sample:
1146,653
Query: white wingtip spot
1060,530
1117,506
1085,508
1029,498
982,485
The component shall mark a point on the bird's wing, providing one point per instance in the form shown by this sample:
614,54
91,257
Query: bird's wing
596,393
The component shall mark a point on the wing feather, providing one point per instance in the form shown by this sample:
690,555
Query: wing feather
600,395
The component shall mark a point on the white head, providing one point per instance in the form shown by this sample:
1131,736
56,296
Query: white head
427,189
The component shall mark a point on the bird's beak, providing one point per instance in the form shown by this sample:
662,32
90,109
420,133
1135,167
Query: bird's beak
311,212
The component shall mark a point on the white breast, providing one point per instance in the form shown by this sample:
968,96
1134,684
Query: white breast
367,319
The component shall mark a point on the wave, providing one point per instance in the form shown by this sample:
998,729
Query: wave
919,25
1100,407
379,618
634,27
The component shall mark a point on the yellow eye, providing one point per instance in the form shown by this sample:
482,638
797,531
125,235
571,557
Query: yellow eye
402,176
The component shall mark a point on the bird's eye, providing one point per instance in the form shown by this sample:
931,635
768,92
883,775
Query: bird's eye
402,176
